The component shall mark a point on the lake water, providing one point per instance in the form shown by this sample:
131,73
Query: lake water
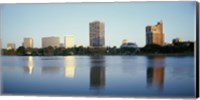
120,76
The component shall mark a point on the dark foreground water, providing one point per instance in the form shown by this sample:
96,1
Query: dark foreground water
131,76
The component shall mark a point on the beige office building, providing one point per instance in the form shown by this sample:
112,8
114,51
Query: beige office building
28,42
69,41
97,32
50,41
154,34
10,46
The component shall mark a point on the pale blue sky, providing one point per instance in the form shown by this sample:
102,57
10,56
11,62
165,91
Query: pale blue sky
122,21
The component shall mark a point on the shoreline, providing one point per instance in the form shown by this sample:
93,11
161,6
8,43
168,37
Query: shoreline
167,54
112,55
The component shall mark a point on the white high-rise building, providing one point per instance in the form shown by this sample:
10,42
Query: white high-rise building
69,41
50,41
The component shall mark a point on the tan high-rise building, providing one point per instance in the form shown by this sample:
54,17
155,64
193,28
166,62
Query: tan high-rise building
28,42
10,46
69,41
50,41
97,34
154,34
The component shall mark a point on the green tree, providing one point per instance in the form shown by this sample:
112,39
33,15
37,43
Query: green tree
21,51
151,48
48,51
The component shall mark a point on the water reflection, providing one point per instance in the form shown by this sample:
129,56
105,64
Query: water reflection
70,66
155,72
100,76
29,68
51,65
97,72
50,69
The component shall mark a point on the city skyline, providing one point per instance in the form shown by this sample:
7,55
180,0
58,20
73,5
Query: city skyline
122,20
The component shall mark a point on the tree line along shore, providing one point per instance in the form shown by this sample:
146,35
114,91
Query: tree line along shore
152,49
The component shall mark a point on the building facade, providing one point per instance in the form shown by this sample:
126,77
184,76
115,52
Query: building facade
10,46
50,41
154,34
126,44
125,41
28,42
69,41
97,31
177,40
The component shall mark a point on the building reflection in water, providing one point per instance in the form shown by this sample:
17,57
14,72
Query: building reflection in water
50,69
29,67
155,72
70,66
97,72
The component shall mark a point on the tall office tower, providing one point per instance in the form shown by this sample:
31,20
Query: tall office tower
69,41
154,34
28,42
50,41
97,32
10,46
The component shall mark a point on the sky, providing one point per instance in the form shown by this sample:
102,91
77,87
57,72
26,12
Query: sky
122,21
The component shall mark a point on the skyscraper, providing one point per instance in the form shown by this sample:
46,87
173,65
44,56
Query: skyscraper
28,42
50,41
154,34
69,41
97,34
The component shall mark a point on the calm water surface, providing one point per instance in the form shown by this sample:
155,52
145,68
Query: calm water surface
132,76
